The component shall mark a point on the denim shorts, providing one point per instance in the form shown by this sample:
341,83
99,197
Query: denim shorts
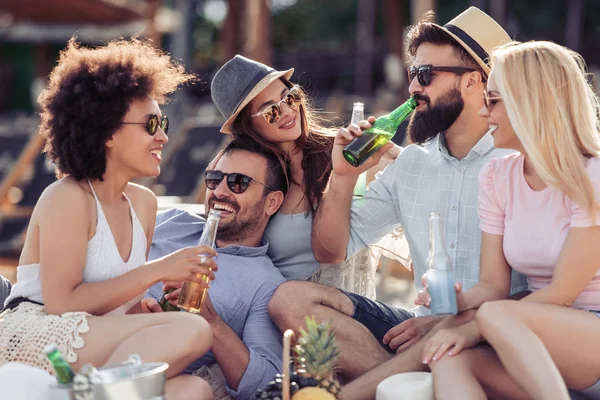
377,317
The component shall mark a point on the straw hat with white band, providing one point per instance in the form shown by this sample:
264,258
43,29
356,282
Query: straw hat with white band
477,33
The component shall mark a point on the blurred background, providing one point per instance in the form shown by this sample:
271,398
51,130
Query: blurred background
343,51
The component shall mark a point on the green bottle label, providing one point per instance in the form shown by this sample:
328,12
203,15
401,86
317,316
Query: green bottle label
64,372
164,303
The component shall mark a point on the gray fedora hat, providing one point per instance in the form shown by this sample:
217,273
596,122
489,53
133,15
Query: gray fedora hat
239,81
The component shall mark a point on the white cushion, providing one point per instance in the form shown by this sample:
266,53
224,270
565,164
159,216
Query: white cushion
410,385
23,382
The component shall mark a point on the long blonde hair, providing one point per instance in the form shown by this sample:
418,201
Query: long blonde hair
554,113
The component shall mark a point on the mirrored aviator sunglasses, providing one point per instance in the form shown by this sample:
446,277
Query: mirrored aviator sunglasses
272,113
153,123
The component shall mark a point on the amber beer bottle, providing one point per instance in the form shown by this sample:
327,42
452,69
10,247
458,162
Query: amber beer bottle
384,128
193,295
64,372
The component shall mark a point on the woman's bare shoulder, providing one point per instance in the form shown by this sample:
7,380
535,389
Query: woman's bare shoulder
141,195
65,193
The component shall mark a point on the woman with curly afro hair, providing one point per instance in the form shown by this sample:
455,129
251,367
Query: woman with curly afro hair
83,265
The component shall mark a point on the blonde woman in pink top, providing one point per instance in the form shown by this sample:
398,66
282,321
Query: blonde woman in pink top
539,215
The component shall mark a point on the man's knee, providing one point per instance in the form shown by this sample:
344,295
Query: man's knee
291,296
299,298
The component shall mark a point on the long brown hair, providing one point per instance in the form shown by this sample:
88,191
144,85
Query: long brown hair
316,142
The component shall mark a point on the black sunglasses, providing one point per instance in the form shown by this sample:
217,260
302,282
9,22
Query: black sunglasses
153,123
236,182
423,72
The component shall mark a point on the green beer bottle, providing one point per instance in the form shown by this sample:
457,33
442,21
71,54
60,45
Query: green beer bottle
164,303
384,128
64,372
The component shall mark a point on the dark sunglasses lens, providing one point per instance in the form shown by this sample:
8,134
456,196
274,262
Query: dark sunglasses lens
272,113
424,76
212,179
152,124
164,124
238,183
412,72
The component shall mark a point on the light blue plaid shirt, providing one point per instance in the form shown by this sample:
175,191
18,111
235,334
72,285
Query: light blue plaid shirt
422,180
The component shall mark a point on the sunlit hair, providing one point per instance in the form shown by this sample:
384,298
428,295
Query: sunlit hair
553,111
315,142
90,91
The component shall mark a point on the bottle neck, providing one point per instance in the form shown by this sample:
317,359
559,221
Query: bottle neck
358,114
400,113
438,258
209,233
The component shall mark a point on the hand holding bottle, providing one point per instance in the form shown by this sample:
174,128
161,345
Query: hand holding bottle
374,138
189,263
424,298
344,137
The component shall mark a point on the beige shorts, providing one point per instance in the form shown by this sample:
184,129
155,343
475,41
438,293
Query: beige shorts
27,329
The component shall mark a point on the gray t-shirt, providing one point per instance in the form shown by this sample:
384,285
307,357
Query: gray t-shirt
5,287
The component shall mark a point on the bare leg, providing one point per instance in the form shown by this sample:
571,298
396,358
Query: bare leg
407,361
540,344
465,375
359,350
188,387
174,338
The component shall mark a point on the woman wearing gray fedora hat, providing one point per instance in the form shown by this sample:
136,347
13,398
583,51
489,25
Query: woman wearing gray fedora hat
261,102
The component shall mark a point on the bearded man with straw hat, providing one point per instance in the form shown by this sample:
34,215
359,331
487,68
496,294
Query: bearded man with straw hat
449,68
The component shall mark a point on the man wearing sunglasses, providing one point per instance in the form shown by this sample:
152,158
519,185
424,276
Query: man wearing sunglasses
246,184
438,174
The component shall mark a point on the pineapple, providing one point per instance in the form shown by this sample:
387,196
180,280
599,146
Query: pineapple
314,379
317,353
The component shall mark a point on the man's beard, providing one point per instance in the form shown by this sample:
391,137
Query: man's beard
425,125
241,227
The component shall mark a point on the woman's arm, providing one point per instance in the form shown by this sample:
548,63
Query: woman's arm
577,264
63,218
494,274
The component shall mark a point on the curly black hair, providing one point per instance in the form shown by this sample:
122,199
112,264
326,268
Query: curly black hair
90,91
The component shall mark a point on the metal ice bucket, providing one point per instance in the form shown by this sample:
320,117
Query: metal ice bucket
130,380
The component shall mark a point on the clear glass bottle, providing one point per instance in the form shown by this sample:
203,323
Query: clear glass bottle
440,272
193,295
358,114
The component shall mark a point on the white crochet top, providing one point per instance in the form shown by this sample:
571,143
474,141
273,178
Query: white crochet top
103,260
